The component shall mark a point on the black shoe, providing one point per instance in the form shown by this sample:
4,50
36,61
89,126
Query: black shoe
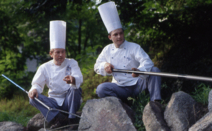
60,120
74,123
159,101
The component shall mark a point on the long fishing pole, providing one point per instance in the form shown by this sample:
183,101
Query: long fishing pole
165,74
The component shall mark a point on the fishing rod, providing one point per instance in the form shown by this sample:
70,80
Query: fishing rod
26,92
165,74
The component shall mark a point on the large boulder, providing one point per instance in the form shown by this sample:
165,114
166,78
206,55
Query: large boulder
204,124
153,118
180,113
11,126
106,114
36,122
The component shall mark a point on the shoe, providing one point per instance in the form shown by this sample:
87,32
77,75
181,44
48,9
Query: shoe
159,101
74,123
60,120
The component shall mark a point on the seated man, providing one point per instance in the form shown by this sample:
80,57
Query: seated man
122,54
63,78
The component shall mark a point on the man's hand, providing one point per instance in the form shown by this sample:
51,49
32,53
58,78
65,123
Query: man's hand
108,68
69,79
135,74
33,93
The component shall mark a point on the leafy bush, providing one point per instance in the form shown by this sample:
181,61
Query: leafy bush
7,89
138,106
201,93
91,81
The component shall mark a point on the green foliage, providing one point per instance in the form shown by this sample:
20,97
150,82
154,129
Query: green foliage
12,57
17,104
7,89
20,118
201,93
17,109
91,81
87,59
138,106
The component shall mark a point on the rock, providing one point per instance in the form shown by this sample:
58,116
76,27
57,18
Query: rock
210,101
153,118
106,114
11,126
204,124
36,122
181,111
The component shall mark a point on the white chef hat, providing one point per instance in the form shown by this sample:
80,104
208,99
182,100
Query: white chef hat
57,34
109,15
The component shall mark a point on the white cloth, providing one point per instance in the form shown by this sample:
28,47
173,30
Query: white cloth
129,55
110,17
57,33
52,76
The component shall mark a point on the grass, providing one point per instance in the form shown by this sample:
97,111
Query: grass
17,110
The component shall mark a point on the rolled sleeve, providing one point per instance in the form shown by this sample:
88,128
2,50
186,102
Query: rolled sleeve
100,63
143,58
38,81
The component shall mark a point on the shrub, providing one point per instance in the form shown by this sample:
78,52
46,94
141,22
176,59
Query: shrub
201,93
91,81
138,106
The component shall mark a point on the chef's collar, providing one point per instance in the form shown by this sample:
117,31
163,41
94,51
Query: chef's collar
64,62
123,45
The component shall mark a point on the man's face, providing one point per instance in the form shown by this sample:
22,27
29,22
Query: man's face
117,36
58,55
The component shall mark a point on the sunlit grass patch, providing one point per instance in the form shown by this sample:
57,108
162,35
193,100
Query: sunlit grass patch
17,109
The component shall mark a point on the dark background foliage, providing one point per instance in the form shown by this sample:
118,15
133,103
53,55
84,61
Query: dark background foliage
176,35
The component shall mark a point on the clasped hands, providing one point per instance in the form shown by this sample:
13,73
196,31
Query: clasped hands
108,68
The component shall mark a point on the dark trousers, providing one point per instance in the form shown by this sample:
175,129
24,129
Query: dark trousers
153,83
71,104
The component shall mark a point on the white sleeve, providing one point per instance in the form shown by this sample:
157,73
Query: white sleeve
143,58
76,73
100,63
38,81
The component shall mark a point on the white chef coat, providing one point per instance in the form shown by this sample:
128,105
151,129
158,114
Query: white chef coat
52,75
129,55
